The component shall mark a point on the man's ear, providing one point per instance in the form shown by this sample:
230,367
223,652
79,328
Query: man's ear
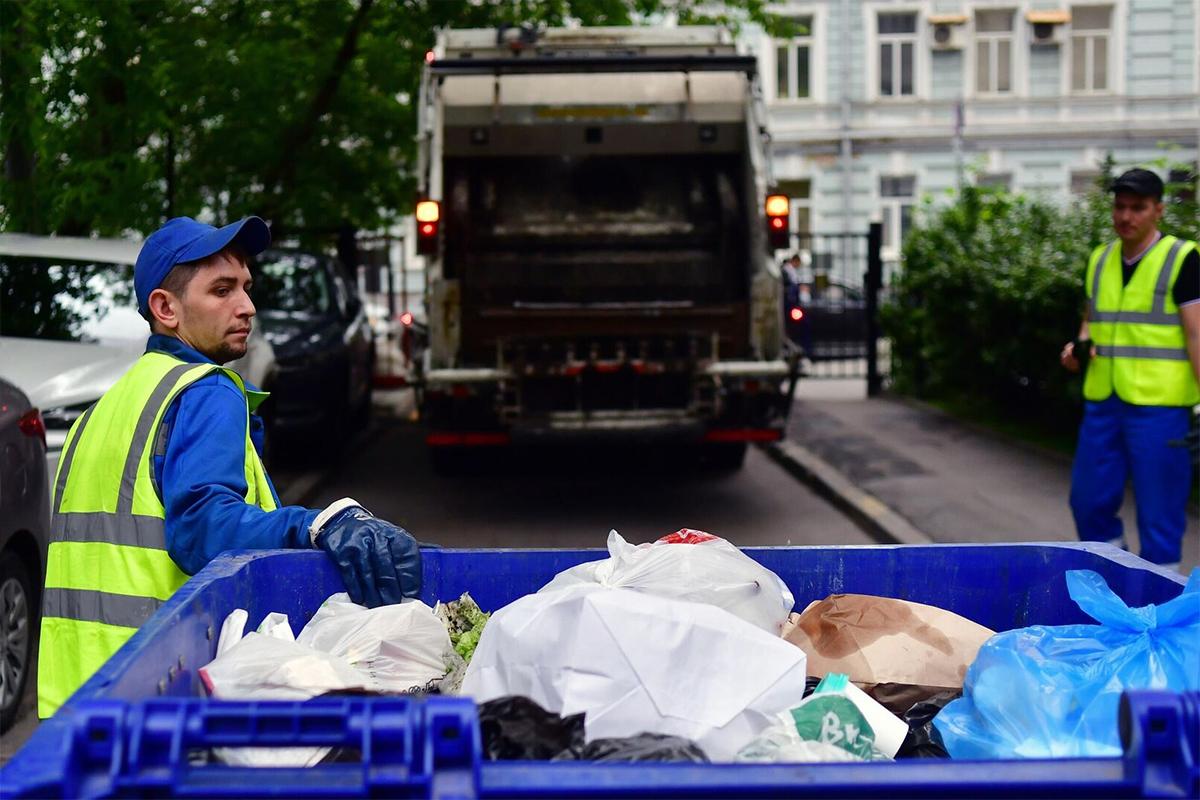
164,308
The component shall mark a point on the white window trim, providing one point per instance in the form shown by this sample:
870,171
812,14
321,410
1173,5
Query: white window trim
798,203
922,58
1019,53
817,55
1116,51
886,204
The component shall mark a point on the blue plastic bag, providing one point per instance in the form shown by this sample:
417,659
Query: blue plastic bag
1052,691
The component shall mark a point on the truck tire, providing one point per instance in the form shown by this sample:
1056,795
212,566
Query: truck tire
19,625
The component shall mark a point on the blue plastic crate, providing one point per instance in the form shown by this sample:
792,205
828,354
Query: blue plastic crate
129,730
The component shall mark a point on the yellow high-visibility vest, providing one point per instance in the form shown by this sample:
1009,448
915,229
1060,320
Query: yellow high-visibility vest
107,568
1141,352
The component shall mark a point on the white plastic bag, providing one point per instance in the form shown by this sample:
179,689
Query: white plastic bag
835,721
780,744
345,646
638,663
270,665
689,565
399,647
266,668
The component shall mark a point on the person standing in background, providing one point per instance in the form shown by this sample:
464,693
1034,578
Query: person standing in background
1140,339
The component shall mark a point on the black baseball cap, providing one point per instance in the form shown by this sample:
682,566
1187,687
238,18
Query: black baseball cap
1139,181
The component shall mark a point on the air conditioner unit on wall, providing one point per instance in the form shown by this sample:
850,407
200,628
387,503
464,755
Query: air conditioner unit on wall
948,32
1047,27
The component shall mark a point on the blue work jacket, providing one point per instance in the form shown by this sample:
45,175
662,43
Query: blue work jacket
202,478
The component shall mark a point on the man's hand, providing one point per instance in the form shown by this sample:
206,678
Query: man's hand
380,563
1068,358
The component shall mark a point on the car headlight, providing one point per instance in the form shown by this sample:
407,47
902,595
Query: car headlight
63,417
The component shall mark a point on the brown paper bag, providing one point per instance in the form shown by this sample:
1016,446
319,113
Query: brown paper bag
899,652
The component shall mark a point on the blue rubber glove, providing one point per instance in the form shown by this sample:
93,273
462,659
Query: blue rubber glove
380,563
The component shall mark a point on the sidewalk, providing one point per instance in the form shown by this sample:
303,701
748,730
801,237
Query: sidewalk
922,475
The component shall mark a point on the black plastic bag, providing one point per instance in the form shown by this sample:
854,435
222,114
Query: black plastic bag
516,728
643,747
923,739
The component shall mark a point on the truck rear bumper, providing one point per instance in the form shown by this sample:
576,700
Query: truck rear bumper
615,427
639,426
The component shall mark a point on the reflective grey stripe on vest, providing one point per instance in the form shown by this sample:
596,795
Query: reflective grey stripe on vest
1164,276
1132,351
99,526
1099,269
89,605
1160,315
141,435
122,527
64,467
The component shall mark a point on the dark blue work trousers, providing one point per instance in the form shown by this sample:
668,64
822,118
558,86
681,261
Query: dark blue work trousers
1119,440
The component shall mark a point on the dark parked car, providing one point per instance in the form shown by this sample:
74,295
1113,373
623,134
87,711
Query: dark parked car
310,312
829,322
24,533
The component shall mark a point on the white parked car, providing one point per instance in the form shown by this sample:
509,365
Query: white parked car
69,326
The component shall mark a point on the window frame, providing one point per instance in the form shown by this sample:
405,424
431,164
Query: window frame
922,58
815,40
1018,51
1115,48
798,202
891,209
1078,175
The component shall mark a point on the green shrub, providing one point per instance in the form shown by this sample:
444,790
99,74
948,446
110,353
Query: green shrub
991,287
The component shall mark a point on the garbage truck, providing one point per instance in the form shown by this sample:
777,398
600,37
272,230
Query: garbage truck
593,213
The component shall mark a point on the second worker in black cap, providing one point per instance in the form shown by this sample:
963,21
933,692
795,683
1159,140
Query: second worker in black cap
1141,334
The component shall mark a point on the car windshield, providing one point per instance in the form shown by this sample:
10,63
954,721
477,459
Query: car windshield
67,300
291,283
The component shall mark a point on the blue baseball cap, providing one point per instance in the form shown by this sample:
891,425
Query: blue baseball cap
183,239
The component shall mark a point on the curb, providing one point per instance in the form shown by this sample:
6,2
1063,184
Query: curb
865,509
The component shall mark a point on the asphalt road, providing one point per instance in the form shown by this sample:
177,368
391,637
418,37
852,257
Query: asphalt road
560,497
572,497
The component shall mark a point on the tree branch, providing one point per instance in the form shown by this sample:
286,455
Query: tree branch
277,180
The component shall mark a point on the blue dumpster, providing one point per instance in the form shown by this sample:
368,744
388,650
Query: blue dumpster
135,728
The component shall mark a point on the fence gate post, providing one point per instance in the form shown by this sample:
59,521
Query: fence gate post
873,281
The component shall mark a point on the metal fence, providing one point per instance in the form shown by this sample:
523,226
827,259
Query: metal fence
832,284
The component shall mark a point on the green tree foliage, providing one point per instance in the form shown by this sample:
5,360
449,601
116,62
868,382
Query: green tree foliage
118,114
991,288
121,113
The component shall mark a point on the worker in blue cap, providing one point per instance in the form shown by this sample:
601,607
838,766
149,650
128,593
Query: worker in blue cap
165,471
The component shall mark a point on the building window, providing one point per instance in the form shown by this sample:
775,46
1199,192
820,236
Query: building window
993,51
793,63
799,193
897,196
1002,180
1091,32
1084,181
897,54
